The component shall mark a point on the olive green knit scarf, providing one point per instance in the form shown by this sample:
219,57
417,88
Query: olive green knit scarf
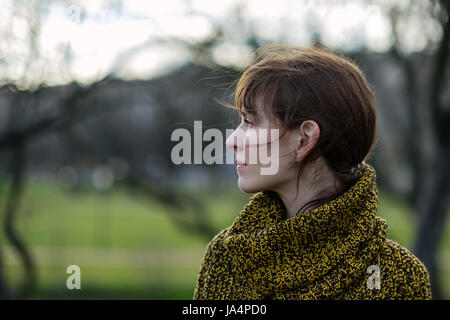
324,253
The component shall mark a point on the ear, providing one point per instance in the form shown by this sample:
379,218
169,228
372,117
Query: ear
308,135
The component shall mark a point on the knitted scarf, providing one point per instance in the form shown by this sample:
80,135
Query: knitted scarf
329,252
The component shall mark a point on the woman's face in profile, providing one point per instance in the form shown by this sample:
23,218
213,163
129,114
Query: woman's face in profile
264,161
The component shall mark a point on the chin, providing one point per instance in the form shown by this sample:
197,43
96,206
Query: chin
248,187
254,186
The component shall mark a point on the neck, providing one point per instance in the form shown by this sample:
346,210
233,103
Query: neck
316,185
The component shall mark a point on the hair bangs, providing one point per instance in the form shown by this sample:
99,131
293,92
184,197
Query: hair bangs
256,93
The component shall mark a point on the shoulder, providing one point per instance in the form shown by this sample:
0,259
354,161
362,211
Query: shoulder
404,273
212,264
216,243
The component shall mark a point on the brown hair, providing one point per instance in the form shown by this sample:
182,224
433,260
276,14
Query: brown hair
297,84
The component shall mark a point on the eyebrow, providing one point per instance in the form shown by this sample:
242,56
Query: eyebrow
250,112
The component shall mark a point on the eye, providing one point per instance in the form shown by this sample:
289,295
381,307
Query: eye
246,121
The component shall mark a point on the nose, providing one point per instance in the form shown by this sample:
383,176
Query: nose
232,141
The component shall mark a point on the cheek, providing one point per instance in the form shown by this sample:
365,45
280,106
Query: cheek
288,150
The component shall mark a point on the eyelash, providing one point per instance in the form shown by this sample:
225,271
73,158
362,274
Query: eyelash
246,121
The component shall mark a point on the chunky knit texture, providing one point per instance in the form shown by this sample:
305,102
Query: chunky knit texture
324,253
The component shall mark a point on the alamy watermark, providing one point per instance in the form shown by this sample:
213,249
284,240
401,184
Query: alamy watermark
74,280
373,282
252,145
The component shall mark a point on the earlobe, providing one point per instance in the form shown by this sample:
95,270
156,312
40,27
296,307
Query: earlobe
300,151
299,156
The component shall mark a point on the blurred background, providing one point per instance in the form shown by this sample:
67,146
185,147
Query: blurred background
90,92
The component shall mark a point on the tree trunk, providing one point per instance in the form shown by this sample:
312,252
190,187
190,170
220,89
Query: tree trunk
12,204
433,206
3,285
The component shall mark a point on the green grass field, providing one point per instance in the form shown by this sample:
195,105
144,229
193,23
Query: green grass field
128,247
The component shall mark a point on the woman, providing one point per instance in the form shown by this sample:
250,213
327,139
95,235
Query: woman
311,230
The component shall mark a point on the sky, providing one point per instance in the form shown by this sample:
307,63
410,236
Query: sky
85,40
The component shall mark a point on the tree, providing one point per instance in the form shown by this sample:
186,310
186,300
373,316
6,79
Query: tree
431,184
